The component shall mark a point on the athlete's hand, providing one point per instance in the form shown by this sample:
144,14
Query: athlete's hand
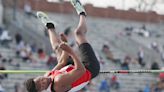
64,46
63,37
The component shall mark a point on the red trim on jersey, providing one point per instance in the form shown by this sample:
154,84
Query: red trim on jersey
54,73
84,78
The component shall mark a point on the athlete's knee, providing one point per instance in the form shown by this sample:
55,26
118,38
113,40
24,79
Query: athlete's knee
80,31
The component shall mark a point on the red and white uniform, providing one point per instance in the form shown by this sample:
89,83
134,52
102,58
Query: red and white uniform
77,84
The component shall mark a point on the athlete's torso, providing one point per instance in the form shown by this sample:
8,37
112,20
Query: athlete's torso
77,84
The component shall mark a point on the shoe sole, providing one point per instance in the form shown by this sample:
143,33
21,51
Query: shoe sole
78,6
43,17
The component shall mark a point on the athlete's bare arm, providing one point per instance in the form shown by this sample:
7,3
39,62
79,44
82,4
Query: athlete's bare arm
62,56
77,72
55,40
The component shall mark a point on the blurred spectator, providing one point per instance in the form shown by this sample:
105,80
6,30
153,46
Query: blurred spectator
161,75
147,88
5,38
155,66
128,59
18,38
25,52
19,47
114,82
52,61
107,52
128,30
41,53
157,87
27,9
141,57
4,60
155,46
33,47
42,56
142,31
125,64
104,86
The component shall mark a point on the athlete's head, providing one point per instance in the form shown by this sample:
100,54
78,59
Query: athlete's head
30,85
37,84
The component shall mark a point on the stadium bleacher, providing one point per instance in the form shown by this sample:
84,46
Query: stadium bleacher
101,31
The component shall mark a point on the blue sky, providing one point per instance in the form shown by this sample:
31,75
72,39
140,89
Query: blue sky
126,4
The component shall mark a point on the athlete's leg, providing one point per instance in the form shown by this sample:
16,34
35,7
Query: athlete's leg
81,29
53,36
87,54
64,55
55,41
